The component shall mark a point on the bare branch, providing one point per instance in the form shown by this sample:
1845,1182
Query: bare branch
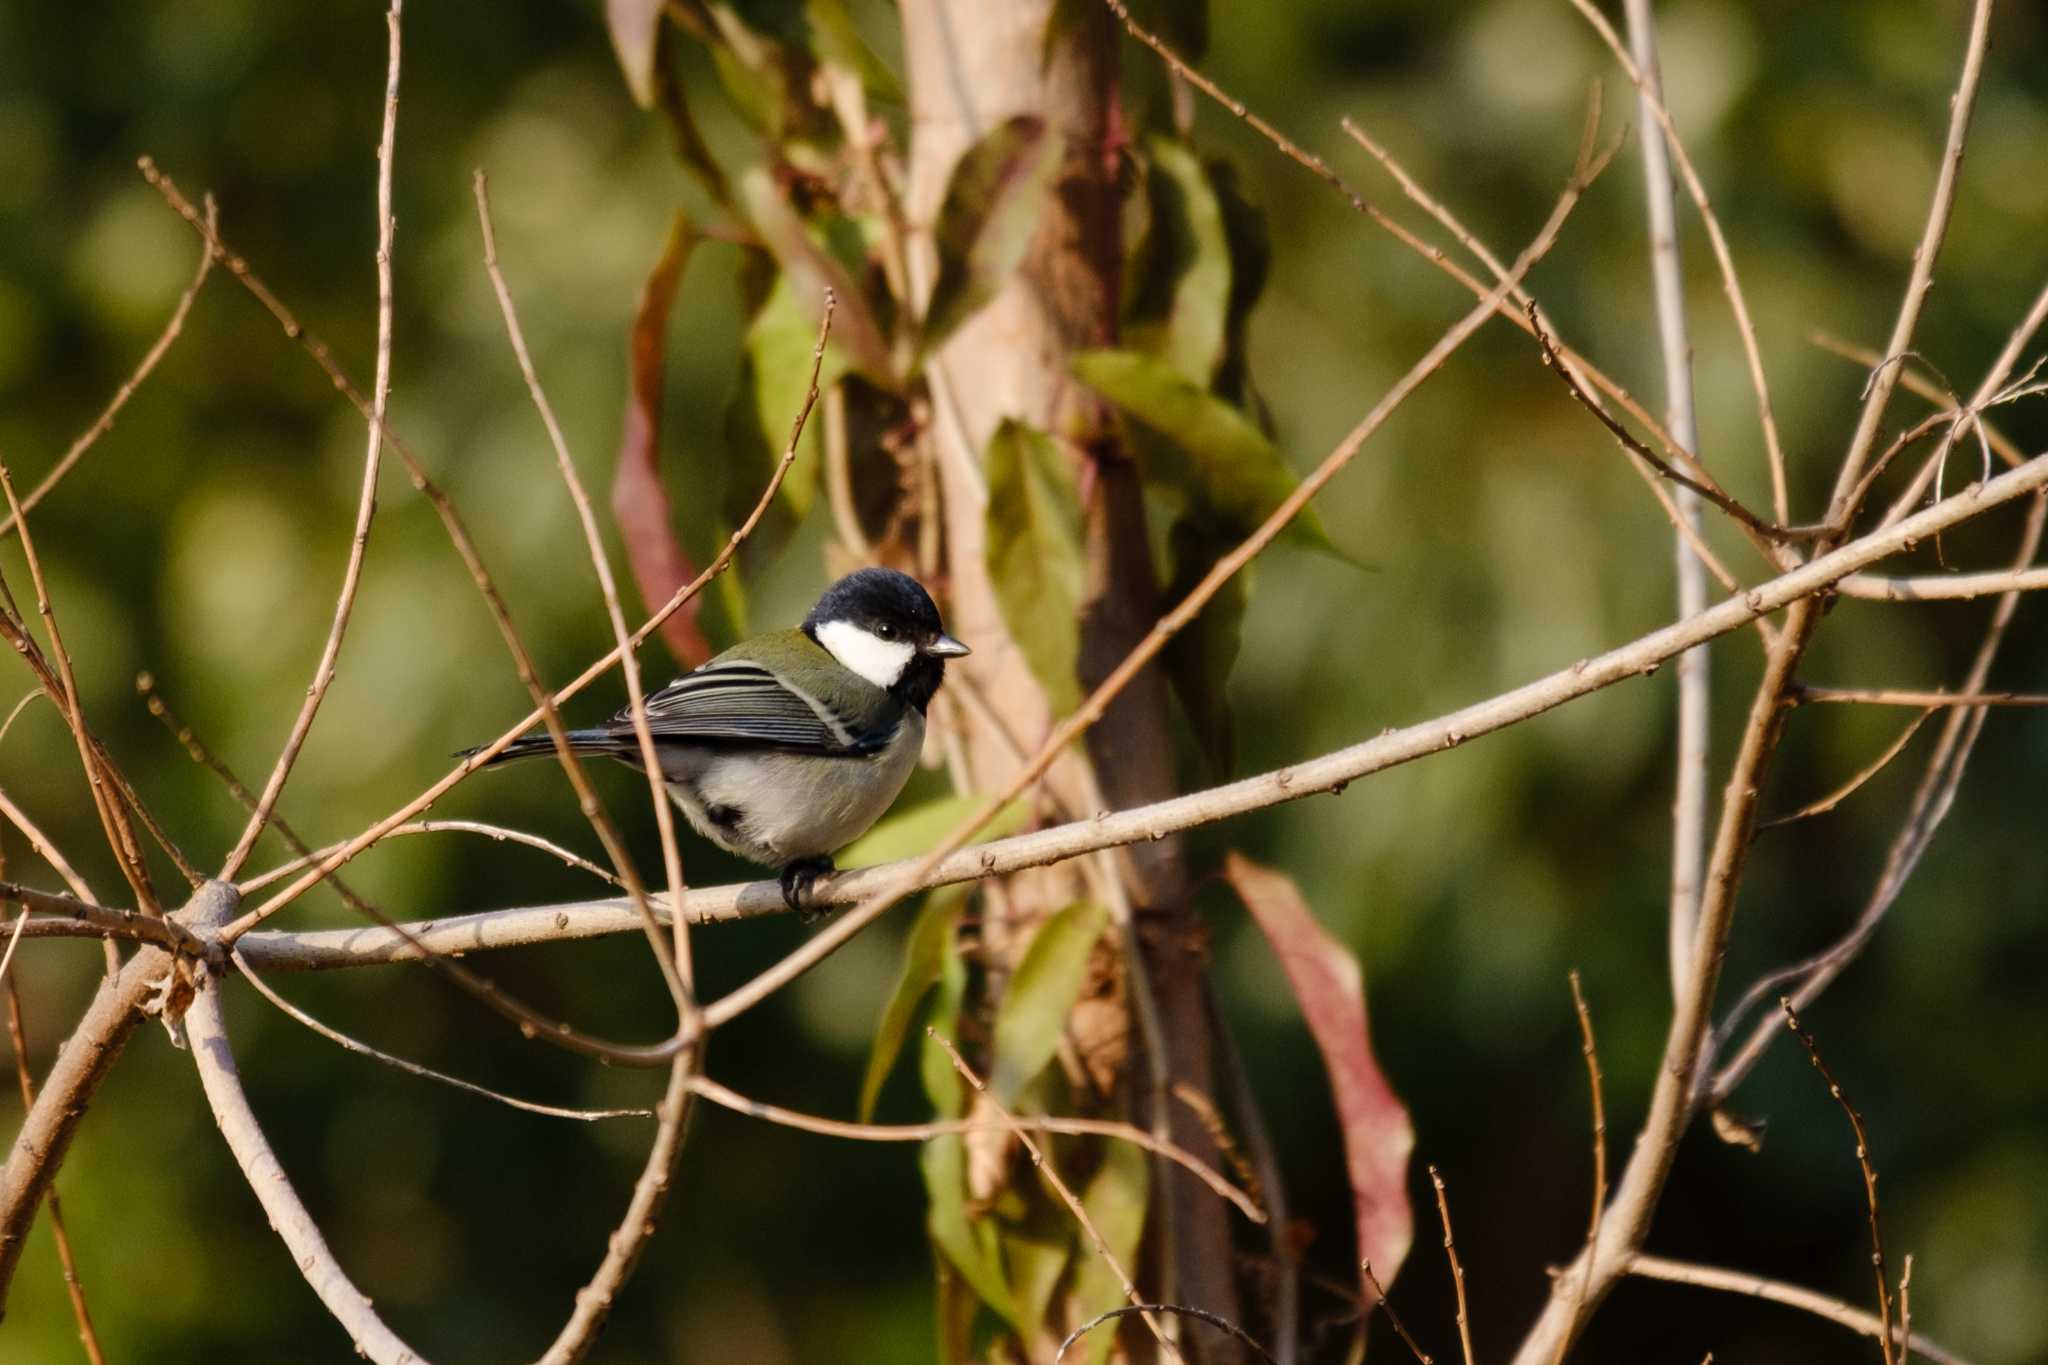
105,421
206,1024
1685,1058
1863,1164
340,1039
113,815
1849,788
675,964
1653,105
1599,1157
1386,1306
1791,1295
1443,1210
1674,340
727,1098
83,1062
1905,696
75,1287
1051,1176
366,503
1328,772
1929,807
636,1225
1216,1320
500,833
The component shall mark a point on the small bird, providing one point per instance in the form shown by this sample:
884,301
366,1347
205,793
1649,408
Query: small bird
788,746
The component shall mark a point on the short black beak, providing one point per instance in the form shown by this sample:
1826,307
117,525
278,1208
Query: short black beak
946,647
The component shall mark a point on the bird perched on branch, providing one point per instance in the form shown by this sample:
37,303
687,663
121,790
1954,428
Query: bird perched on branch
790,745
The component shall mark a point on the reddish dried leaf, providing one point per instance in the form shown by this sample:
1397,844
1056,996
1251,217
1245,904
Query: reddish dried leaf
636,29
1330,988
639,501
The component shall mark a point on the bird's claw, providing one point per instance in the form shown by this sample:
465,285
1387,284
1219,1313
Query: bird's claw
797,879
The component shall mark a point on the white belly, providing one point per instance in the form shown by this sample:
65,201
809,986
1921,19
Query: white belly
775,808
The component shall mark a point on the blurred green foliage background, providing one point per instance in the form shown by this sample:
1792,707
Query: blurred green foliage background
204,537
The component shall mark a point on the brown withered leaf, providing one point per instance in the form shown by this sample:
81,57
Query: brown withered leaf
1330,988
639,500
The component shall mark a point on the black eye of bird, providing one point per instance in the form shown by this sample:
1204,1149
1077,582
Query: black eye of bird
886,631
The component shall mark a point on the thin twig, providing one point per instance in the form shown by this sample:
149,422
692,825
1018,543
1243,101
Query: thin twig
1849,788
1386,1306
1918,384
1508,307
1901,696
1443,1210
501,833
1554,361
74,1287
1059,1188
366,502
340,1039
120,834
323,356
1776,1291
1216,1320
1906,1312
1932,799
1863,1164
1674,343
727,1098
105,421
1646,89
1685,1061
674,957
1599,1153
1943,587
1687,528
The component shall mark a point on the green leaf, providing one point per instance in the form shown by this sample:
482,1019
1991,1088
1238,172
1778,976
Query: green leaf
924,957
1179,284
907,833
1231,469
1035,557
1198,660
987,217
1115,1201
944,1164
1041,994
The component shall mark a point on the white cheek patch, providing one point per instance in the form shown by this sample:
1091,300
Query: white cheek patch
880,661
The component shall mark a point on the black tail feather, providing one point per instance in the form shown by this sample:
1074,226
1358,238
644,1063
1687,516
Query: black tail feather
541,745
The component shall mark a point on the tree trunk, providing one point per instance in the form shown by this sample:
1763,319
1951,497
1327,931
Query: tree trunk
972,64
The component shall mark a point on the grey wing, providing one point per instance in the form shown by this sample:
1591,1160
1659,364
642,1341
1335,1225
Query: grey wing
745,703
